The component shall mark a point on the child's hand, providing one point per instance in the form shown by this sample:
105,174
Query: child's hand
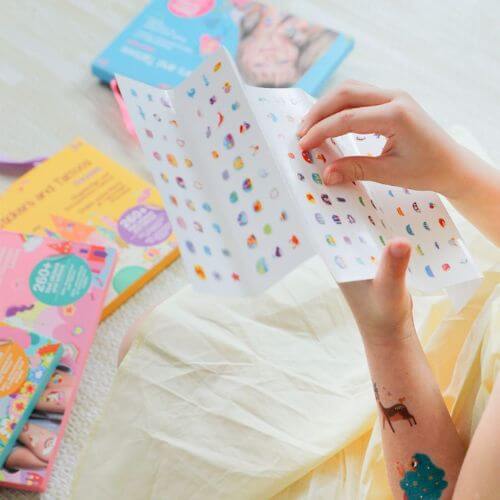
382,307
418,153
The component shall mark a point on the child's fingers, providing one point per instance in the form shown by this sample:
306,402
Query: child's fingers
362,168
349,95
365,120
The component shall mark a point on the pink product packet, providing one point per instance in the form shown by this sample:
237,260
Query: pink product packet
55,288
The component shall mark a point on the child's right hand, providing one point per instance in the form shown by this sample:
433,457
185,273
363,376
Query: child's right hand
418,153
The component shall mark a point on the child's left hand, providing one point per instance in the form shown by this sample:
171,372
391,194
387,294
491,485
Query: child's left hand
382,306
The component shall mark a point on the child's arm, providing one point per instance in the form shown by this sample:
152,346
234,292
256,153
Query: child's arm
418,153
422,449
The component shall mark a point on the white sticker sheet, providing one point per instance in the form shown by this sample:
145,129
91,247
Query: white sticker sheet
248,206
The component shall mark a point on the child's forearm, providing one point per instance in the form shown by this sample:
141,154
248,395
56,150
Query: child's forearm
422,449
477,193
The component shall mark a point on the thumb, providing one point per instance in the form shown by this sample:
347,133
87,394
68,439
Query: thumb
358,168
390,278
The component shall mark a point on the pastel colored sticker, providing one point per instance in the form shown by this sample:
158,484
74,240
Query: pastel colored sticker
330,240
235,105
283,216
206,206
235,277
252,241
200,272
216,227
156,155
197,185
217,65
208,132
261,266
267,229
273,117
220,119
340,262
306,155
254,149
191,206
217,276
419,250
212,100
181,222
244,127
198,227
190,9
409,230
317,178
229,141
180,142
426,226
225,175
173,200
446,267
226,252
172,160
190,246
400,212
247,185
291,156
347,240
351,219
226,87
188,163
294,241
215,154
180,182
191,92
207,250
164,177
428,271
238,163
319,218
274,193
242,219
205,81
233,197
257,206
148,133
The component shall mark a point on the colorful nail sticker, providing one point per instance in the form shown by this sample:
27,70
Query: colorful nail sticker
261,266
340,199
453,242
247,185
310,198
254,149
225,175
215,155
409,230
325,199
235,105
400,212
278,252
360,261
208,132
172,160
141,112
351,219
206,206
273,117
191,206
330,240
426,226
419,250
216,227
432,205
294,241
257,206
381,238
428,271
291,156
200,272
181,222
173,200
229,141
373,259
238,163
317,178
306,155
180,142
205,80
300,176
191,92
199,113
220,119
442,222
164,177
148,133
321,157
347,240
242,219
415,207
319,218
391,193
446,267
244,127
370,218
212,100
190,246
217,67
235,277
274,193
340,262
226,88
188,163
226,252
156,155
283,216
197,184
336,219
233,197
164,102
362,240
157,117
436,244
133,92
173,123
252,241
263,173
198,227
267,229
217,276
373,203
180,182
207,250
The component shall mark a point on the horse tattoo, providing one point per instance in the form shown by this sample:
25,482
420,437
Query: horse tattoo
394,412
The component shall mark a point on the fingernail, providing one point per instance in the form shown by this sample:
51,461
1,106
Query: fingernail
398,250
334,178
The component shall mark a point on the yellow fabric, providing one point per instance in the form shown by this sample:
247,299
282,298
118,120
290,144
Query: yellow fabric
270,397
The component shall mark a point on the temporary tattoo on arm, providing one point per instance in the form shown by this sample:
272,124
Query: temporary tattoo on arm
423,479
399,411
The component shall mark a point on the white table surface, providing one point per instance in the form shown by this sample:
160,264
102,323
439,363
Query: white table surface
446,53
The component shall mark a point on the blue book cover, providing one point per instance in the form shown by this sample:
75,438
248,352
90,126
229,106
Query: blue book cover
169,39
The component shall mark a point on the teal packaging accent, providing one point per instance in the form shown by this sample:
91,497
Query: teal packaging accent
170,38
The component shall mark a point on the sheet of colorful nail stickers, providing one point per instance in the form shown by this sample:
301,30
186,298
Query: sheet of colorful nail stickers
248,205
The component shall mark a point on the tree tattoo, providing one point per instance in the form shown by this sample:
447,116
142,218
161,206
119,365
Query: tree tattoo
423,480
394,412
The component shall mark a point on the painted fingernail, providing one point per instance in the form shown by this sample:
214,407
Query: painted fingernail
334,178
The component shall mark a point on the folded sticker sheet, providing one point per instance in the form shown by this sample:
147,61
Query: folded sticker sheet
248,205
